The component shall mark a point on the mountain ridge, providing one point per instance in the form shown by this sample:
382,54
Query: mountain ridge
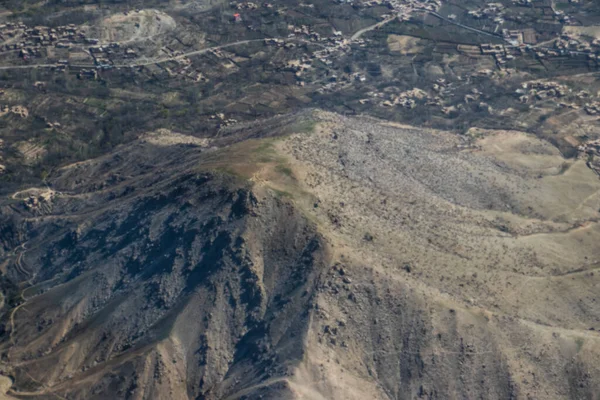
278,265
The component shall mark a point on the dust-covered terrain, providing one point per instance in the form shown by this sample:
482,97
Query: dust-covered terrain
362,199
337,258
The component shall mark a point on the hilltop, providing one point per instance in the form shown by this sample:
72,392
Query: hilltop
329,257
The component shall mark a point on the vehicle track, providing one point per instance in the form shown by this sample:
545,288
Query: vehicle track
158,60
358,34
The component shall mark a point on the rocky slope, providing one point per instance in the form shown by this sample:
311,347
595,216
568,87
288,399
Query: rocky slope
152,279
336,259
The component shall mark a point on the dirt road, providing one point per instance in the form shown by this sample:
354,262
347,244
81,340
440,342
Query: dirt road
358,34
142,63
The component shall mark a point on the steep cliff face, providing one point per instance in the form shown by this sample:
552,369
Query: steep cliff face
358,260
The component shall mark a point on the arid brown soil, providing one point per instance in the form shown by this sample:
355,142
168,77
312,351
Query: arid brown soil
328,258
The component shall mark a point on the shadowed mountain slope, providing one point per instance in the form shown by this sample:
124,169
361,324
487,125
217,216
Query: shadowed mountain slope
311,256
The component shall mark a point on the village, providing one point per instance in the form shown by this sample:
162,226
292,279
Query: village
471,62
52,43
71,47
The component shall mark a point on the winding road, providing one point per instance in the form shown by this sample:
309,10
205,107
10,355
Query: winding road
358,34
141,63
163,59
355,36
